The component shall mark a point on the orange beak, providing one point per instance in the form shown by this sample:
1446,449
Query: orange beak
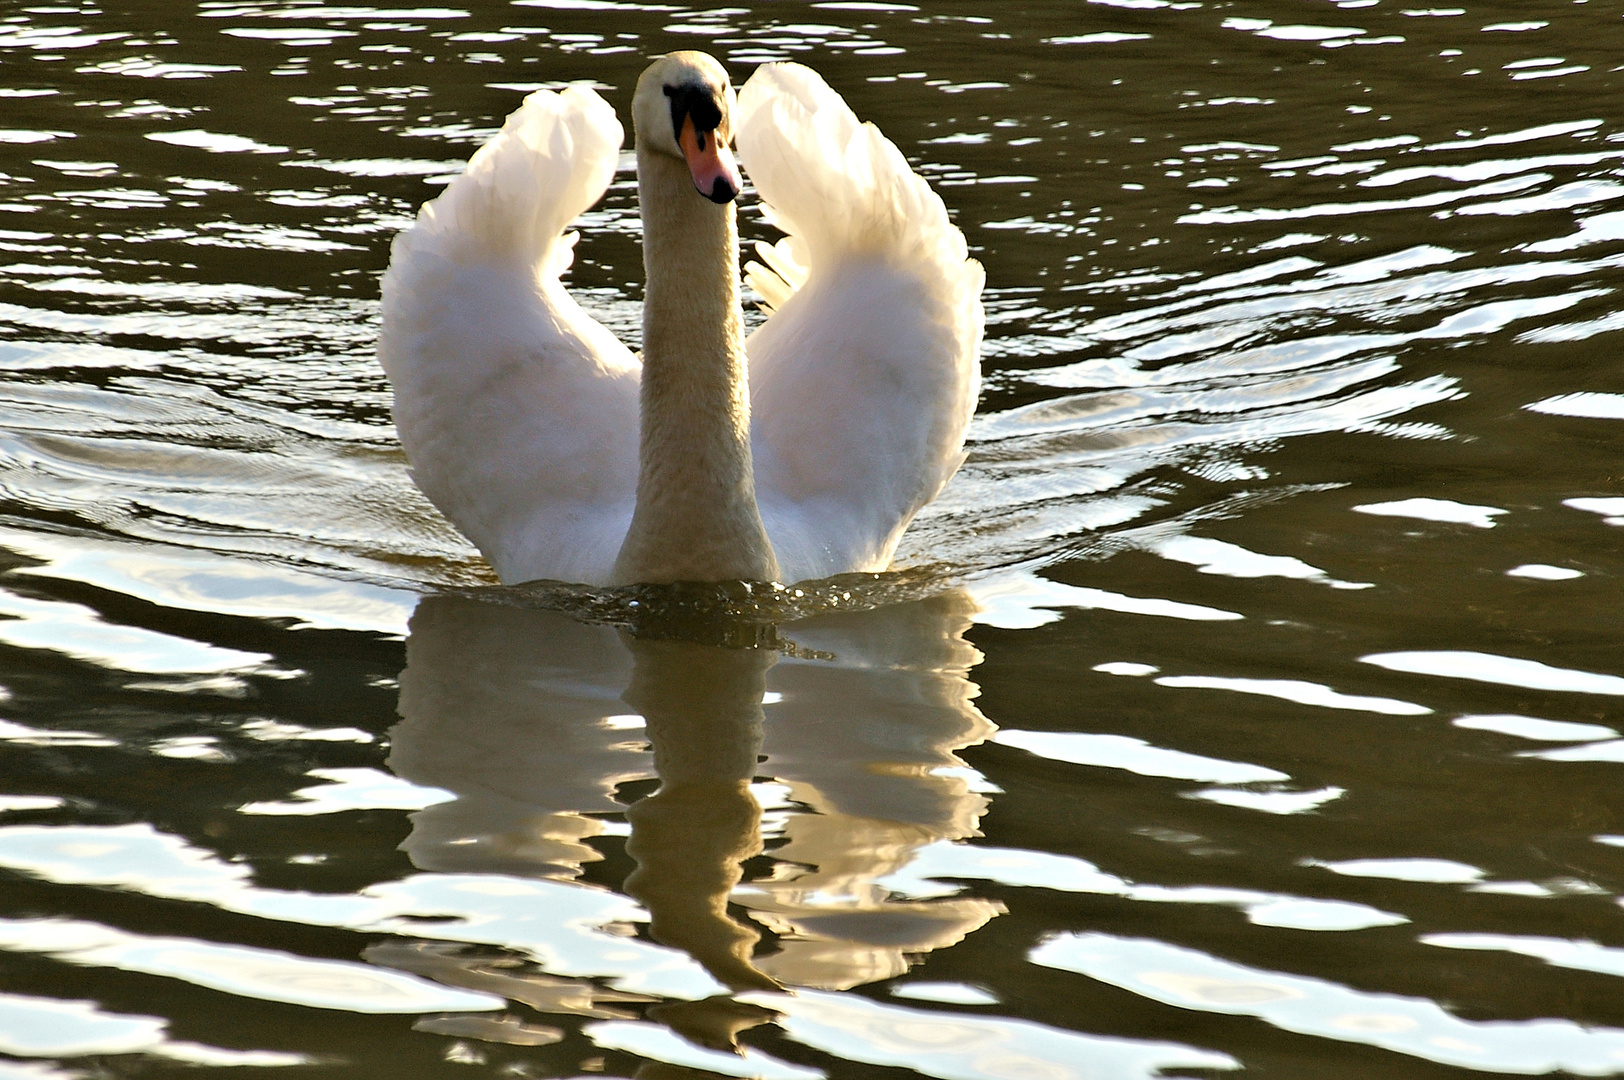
715,174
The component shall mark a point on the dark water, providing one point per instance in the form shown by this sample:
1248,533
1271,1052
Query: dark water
1261,710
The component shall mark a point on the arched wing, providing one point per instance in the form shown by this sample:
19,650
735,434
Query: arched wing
864,377
518,411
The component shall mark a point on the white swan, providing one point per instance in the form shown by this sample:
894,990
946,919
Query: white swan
520,413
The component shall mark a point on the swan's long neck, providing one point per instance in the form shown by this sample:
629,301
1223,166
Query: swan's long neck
696,517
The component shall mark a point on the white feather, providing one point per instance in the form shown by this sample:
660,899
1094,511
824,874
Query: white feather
865,376
518,411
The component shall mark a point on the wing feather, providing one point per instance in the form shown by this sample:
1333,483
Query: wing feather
865,375
517,410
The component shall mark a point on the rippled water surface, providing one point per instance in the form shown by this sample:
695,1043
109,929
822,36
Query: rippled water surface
1255,703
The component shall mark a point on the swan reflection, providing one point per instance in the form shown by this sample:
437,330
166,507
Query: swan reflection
845,725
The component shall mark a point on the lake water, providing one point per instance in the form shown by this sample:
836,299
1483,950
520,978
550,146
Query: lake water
1254,701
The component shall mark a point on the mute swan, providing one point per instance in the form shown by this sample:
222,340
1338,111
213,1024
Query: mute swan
563,456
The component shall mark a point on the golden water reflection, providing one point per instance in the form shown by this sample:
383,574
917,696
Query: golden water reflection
846,726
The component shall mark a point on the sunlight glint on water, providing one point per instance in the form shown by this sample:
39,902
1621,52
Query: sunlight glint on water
1257,707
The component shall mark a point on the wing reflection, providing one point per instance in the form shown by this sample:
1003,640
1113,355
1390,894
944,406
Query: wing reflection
866,739
535,721
506,707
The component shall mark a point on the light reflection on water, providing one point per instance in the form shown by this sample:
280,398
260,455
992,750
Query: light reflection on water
1259,711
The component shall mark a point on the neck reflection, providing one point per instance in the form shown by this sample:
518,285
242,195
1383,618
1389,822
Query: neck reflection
701,707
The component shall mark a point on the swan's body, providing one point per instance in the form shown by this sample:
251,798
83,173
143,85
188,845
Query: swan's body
561,456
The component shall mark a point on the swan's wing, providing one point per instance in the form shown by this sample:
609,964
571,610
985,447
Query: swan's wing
518,411
863,379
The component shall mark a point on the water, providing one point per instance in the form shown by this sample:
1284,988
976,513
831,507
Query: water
1254,702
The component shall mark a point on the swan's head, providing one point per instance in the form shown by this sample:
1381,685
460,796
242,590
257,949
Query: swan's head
684,107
